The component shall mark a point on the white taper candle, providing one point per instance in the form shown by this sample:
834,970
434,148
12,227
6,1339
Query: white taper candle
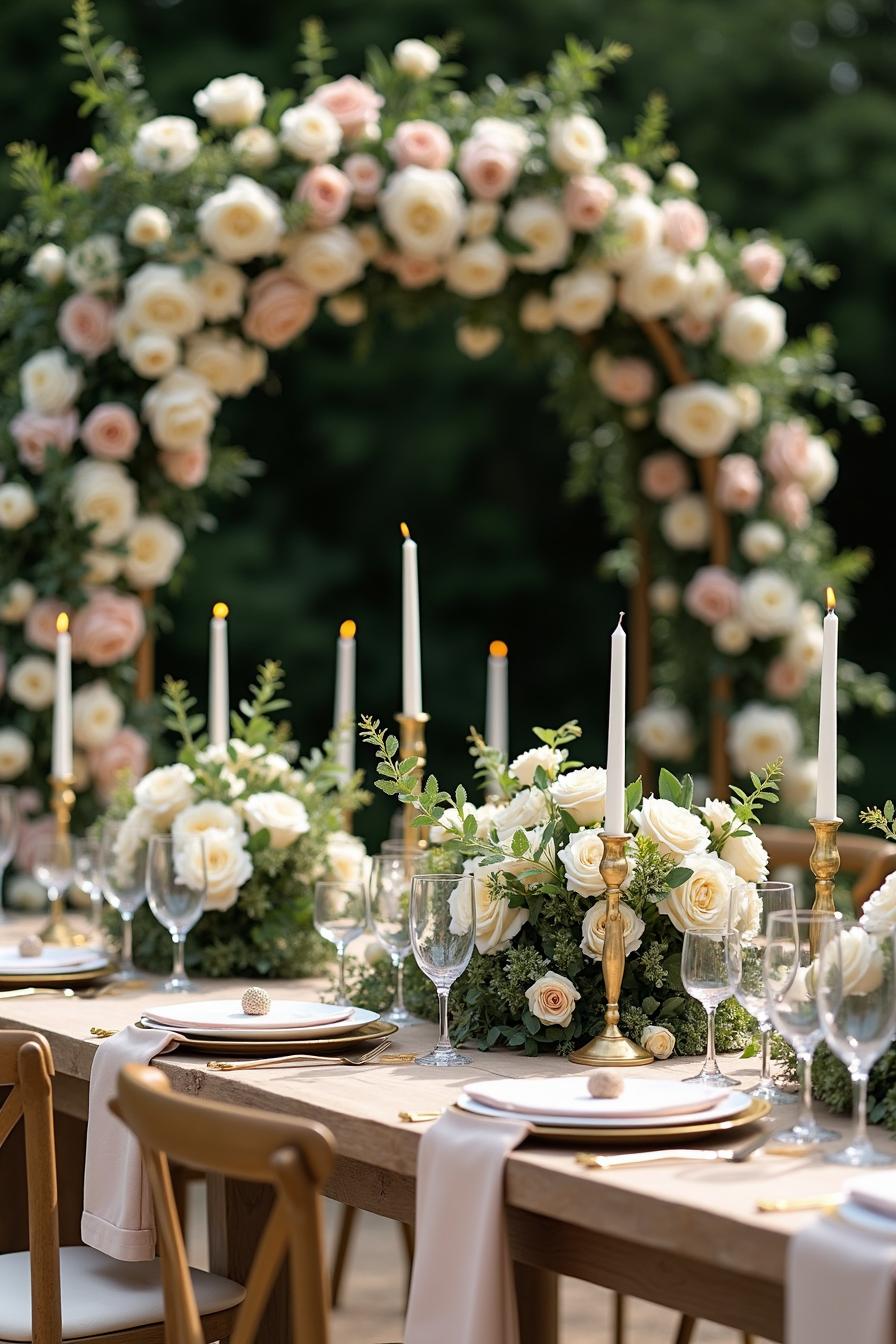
411,672
497,730
826,790
344,705
218,678
614,821
61,761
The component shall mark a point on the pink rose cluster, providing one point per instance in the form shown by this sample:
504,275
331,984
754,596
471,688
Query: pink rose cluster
786,456
489,160
111,432
354,104
712,595
421,143
188,468
685,226
35,433
125,757
86,324
327,192
587,200
279,309
40,623
664,475
108,628
739,483
763,265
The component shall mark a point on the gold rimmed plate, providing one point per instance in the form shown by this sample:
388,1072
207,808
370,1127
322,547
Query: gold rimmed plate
368,1035
637,1138
58,979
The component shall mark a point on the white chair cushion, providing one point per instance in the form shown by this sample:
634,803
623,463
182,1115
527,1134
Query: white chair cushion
101,1295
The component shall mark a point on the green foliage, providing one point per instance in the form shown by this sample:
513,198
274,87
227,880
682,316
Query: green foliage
649,147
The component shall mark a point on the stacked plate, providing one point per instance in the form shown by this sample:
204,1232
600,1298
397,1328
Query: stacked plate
292,1025
54,966
871,1203
647,1109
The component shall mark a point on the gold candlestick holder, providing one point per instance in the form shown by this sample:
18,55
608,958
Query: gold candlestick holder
825,864
412,743
610,1046
58,930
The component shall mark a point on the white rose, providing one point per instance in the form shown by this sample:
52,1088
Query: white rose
222,288
761,541
499,131
451,821
166,144
799,784
746,912
416,59
805,647
47,263
658,1040
103,495
370,240
284,817
664,596
879,911
310,132
206,816
747,855
539,223
707,290
237,100
674,830
49,384
536,312
753,330
860,961
154,549
684,523
153,354
655,284
731,636
477,269
326,260
242,222
576,144
702,903
497,922
147,226
749,404
160,298
17,506
582,793
219,358
346,857
594,930
481,219
97,715
180,410
761,733
581,299
821,470
164,792
581,858
526,809
680,177
423,209
130,843
227,866
637,227
31,682
477,340
769,603
552,999
664,731
256,147
701,418
95,264
102,567
524,766
15,754
347,309
16,599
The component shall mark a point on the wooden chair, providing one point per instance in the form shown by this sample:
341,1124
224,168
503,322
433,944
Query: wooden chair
77,1294
869,859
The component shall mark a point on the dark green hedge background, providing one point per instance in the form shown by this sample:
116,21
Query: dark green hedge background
786,109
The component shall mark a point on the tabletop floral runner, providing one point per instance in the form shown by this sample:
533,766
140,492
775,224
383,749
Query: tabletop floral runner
534,851
270,828
168,262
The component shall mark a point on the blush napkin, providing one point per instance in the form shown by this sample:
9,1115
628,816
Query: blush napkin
841,1285
462,1283
118,1216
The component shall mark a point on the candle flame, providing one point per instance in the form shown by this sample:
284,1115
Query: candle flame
831,599
348,630
62,623
405,531
497,648
220,611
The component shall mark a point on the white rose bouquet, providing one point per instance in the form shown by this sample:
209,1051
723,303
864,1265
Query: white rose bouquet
534,850
269,828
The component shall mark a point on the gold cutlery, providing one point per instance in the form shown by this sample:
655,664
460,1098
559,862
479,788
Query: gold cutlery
739,1154
279,1061
824,1203
418,1117
50,991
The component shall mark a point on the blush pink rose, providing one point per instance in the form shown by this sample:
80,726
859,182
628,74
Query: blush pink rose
327,192
84,170
355,105
108,628
790,503
785,449
630,381
35,433
587,199
635,178
40,623
86,324
784,679
489,169
763,265
423,143
124,759
685,226
712,595
187,468
365,173
739,483
279,309
664,475
415,272
694,330
111,431
33,835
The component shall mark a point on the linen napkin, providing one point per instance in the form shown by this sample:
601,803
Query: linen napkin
841,1285
118,1216
462,1283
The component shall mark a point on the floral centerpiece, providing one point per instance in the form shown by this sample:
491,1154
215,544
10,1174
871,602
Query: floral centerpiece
270,828
534,850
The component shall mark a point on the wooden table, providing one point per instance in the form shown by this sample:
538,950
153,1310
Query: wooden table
686,1237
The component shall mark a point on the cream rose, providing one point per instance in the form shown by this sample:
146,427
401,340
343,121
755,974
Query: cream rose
770,604
423,210
227,866
164,792
180,410
346,857
416,59
576,144
256,147
552,999
761,541
731,636
820,469
206,816
237,100
16,600
103,496
540,225
581,858
664,596
147,226
95,264
154,549
166,144
477,269
664,731
879,911
97,715
637,225
526,809
673,829
761,733
477,340
17,506
536,312
242,222
700,418
747,855
655,285
49,384
348,310
582,794
707,290
859,959
702,903
326,260
160,298
594,930
310,132
47,263
15,754
284,817
685,523
658,1040
581,299
152,354
524,766
753,330
222,289
31,682
497,922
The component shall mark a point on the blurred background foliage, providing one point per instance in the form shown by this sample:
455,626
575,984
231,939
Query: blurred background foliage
787,111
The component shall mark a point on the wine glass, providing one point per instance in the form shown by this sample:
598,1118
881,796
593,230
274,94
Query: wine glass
707,960
9,831
86,876
340,915
51,865
123,879
748,922
856,988
390,894
793,940
443,934
176,887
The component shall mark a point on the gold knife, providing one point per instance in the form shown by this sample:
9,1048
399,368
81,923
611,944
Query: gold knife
824,1203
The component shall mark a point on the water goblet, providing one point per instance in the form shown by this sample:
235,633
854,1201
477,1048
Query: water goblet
794,939
123,880
51,865
9,831
389,894
176,887
340,916
748,923
856,987
443,934
86,877
707,960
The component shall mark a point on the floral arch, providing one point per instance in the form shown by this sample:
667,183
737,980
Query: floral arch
158,272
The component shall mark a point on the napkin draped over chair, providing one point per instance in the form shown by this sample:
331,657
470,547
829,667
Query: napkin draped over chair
841,1285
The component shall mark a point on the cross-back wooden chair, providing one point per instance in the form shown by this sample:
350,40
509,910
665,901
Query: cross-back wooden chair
292,1156
76,1293
866,857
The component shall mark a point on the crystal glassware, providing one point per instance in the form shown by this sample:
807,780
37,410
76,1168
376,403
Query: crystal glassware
51,865
340,916
389,893
176,887
856,988
86,876
9,831
123,880
706,964
748,923
794,939
443,934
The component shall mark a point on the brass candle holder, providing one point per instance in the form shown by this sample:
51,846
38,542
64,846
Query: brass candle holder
825,864
610,1046
412,743
58,930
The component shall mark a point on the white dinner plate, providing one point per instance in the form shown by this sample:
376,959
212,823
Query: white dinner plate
731,1104
869,1221
569,1098
358,1017
60,961
227,1014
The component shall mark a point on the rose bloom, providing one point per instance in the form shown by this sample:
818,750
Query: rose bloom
423,143
416,272
770,603
523,767
594,929
365,173
188,468
763,265
159,297
539,223
310,133
40,623
48,382
347,309
749,403
18,507
664,596
180,410
47,264
15,756
103,494
785,680
761,541
664,731
761,733
576,144
639,225
685,226
423,210
147,226
701,904
124,759
488,167
152,354
739,483
707,289
237,100
536,312
675,830
16,600
279,309
785,449
700,417
221,289
34,434
685,523
581,857
497,922
154,549
879,911
582,298
587,200
355,105
327,260
712,594
753,330
526,809
242,222
97,715
552,999
227,364
108,629
790,504
84,170
582,793
111,431
820,470
166,144
86,324
284,818
692,329
629,381
655,284
416,59
478,340
327,192
256,147
31,682
659,1041
477,269
663,475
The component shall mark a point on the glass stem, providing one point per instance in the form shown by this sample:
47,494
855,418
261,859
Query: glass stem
127,942
710,1065
860,1109
444,1038
340,957
399,984
2,875
765,1073
179,971
806,1116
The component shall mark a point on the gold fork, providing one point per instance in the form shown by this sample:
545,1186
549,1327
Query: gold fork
227,1066
92,992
